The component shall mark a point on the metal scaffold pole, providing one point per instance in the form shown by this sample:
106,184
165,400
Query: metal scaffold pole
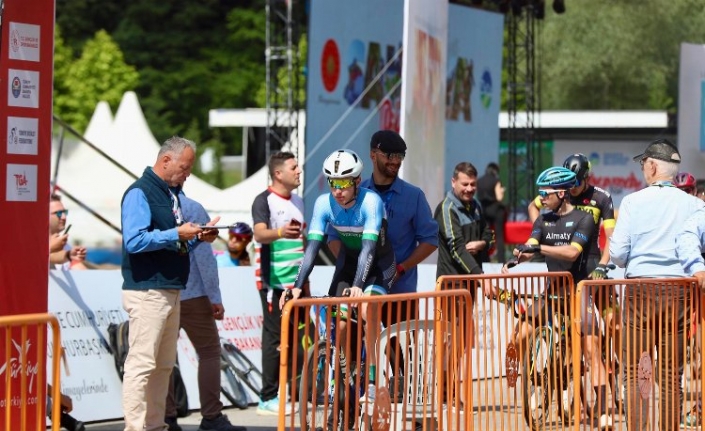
523,106
282,83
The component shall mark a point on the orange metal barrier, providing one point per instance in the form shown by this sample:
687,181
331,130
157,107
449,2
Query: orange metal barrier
419,363
21,367
648,338
521,359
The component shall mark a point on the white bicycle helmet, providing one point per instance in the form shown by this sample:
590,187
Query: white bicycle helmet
342,164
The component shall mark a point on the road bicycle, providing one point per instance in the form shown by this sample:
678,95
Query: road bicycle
333,374
236,369
547,364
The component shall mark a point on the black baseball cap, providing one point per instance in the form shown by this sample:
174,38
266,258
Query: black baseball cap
388,141
660,149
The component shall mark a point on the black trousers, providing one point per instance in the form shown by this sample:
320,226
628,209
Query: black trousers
271,338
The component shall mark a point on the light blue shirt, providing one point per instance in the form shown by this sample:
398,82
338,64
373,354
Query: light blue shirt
203,279
690,243
136,223
644,238
224,260
410,222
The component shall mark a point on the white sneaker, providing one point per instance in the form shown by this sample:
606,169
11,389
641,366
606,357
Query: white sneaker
370,394
605,422
271,408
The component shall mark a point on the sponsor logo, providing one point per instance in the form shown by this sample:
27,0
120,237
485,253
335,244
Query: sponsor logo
330,65
24,41
16,87
558,236
22,135
594,159
21,183
15,40
486,89
15,367
12,139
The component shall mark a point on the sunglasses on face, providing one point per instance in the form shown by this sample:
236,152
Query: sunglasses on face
61,213
393,156
544,193
341,183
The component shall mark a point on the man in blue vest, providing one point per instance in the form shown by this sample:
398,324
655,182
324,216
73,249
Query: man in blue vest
155,268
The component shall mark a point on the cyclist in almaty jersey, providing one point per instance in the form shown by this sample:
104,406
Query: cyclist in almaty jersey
561,235
365,263
597,202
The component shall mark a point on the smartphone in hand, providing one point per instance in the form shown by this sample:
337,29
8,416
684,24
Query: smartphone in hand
66,231
295,222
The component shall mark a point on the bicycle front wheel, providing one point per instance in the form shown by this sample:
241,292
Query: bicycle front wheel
230,385
536,375
312,399
248,373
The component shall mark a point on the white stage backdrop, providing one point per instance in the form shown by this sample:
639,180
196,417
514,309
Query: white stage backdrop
423,94
350,44
691,109
474,84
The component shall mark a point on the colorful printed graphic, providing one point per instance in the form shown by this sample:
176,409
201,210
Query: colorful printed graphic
330,65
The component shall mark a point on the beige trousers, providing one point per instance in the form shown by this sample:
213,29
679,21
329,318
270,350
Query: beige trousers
154,331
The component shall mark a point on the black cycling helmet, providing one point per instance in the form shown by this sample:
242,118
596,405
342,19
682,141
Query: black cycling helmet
579,164
240,229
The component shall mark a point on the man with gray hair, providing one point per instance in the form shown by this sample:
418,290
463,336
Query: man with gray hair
155,268
644,243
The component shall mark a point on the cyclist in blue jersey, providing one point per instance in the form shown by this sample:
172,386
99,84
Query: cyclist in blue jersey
365,264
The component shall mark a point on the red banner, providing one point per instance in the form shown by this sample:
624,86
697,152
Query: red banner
26,73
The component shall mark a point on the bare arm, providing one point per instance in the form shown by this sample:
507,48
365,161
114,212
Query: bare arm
534,211
264,235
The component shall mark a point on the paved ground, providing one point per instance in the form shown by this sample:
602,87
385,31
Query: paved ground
248,418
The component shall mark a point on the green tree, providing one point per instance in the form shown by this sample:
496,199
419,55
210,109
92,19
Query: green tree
192,57
99,74
604,54
299,76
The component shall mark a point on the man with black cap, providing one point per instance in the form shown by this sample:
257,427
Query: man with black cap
412,229
644,243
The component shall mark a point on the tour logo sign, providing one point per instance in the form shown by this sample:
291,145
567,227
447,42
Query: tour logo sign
24,88
24,42
22,135
21,183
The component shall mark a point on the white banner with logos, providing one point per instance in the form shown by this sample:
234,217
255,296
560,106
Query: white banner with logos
474,84
611,161
353,85
691,109
86,302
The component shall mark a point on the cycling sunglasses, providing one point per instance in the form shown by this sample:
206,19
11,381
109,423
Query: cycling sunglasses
61,213
544,193
341,183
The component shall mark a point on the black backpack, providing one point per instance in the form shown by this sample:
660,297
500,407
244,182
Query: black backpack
119,343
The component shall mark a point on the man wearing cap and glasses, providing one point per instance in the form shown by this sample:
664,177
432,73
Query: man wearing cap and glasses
644,243
60,253
413,231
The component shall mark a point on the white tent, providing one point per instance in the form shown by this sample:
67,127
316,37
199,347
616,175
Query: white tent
99,184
